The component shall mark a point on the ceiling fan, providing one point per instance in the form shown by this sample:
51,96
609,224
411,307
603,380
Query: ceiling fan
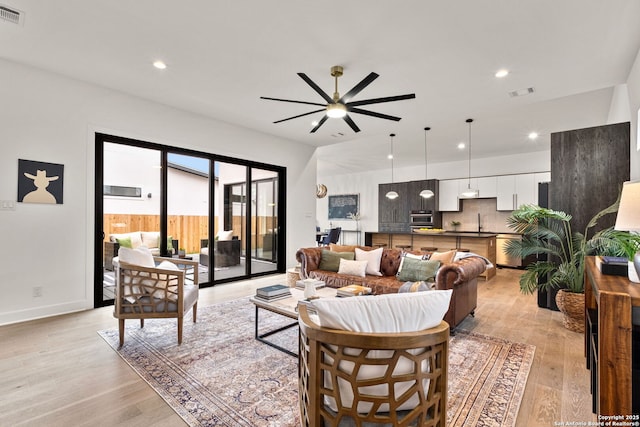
341,106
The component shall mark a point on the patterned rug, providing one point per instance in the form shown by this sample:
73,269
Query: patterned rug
222,376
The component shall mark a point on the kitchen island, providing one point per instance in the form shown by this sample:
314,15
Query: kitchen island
480,243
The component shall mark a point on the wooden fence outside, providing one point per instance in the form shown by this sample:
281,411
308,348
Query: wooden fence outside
188,229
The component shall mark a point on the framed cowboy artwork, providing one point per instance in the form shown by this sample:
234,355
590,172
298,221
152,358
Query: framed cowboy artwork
40,182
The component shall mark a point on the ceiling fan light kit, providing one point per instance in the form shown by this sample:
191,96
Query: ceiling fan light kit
341,106
426,193
469,193
336,111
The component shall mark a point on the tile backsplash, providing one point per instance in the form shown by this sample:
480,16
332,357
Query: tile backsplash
491,219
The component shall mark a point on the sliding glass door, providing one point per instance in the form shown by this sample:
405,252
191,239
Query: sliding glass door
229,250
264,219
131,206
224,213
188,207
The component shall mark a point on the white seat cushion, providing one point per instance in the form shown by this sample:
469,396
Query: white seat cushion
387,313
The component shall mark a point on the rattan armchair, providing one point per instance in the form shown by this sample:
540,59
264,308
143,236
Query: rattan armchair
358,379
151,293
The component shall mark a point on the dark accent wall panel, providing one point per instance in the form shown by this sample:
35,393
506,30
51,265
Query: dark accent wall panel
588,167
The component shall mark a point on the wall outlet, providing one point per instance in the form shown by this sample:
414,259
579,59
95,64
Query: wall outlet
7,205
37,291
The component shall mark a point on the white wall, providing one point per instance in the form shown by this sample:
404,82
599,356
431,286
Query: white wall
47,117
366,184
633,88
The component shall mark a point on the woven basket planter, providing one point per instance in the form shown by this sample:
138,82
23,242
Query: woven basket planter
571,305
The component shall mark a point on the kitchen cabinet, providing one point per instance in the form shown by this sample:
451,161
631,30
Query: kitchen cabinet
448,191
393,215
416,202
514,191
486,185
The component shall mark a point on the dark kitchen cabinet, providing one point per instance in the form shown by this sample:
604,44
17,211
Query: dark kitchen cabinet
393,215
418,203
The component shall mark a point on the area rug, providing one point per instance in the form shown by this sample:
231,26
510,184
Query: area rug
222,376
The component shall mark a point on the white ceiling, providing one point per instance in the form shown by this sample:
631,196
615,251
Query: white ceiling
223,55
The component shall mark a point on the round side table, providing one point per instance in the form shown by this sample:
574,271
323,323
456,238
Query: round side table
293,275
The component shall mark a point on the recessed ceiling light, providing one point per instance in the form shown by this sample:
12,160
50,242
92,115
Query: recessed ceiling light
314,123
390,156
502,73
159,65
533,135
461,146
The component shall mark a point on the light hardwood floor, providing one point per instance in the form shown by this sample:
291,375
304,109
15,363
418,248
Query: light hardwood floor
59,372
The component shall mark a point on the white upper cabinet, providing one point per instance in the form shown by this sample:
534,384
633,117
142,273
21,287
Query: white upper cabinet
511,191
448,194
487,186
514,191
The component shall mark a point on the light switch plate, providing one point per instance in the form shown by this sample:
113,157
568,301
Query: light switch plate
7,205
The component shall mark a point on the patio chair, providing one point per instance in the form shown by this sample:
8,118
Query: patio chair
147,291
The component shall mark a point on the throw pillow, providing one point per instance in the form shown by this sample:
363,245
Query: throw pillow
354,268
169,243
373,260
225,235
415,270
407,255
139,256
150,238
443,257
330,261
342,248
124,242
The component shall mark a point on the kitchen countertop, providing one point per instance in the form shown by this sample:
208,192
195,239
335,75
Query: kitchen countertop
446,233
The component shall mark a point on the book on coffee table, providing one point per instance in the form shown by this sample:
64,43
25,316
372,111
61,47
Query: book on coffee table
273,291
300,284
272,298
353,290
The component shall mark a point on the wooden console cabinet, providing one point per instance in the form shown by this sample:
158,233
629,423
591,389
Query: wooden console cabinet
609,340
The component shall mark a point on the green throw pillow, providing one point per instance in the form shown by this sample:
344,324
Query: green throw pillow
416,270
330,260
169,243
125,242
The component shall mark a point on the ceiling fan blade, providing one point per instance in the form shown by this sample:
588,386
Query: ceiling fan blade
315,87
351,123
291,100
374,114
299,115
320,123
357,88
381,100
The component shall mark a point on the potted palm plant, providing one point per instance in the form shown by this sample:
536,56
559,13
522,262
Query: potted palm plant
545,231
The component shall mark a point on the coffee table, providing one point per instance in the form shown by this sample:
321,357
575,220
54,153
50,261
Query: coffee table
287,307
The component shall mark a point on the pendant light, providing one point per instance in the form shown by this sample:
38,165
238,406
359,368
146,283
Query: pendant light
391,194
469,193
426,193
